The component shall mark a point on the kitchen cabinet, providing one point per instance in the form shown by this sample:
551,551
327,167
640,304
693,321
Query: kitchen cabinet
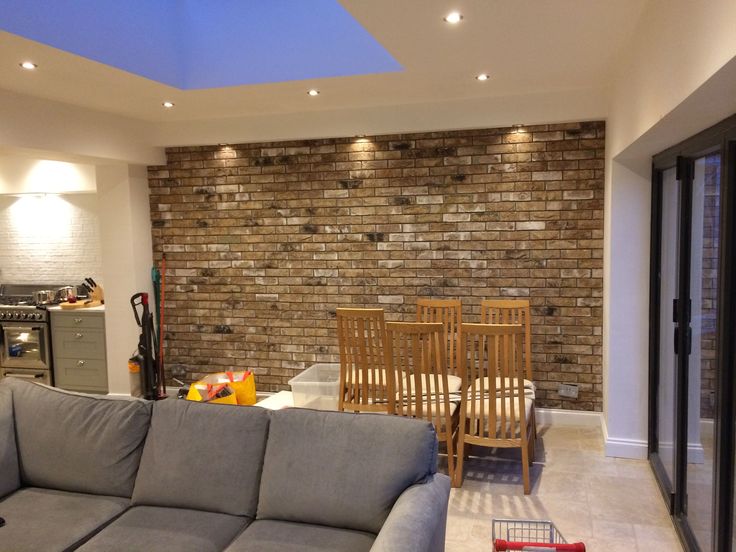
78,346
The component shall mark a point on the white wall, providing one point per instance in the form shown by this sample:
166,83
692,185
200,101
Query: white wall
670,84
19,175
38,124
125,231
52,239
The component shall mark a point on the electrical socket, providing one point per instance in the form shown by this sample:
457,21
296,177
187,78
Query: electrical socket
569,390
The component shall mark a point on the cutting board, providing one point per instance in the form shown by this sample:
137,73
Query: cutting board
80,305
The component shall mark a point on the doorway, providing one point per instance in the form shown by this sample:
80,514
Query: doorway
691,378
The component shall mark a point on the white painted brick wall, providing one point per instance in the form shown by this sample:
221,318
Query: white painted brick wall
51,239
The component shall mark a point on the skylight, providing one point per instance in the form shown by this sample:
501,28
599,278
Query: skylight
195,44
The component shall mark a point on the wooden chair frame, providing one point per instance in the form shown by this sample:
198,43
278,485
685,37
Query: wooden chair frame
366,380
512,311
417,350
493,405
450,313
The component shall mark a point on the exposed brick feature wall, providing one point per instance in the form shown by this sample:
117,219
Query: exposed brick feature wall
264,241
709,306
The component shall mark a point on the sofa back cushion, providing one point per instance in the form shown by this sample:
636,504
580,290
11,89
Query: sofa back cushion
340,469
9,475
204,457
74,442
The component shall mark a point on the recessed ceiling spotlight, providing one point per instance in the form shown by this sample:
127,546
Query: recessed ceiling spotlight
483,77
453,18
168,105
28,65
313,92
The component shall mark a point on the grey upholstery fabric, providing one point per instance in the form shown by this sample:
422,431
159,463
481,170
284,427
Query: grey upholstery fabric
287,536
9,475
203,456
418,519
340,469
42,520
154,529
75,442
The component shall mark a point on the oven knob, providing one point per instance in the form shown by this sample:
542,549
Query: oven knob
24,316
17,316
38,316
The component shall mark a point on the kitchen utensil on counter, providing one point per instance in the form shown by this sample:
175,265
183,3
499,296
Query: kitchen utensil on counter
65,293
44,296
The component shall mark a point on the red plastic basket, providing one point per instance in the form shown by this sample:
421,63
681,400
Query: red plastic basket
530,535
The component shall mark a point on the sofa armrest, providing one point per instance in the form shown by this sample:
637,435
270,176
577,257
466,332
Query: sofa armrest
418,519
9,472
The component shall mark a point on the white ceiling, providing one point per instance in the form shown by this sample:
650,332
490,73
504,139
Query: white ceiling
527,46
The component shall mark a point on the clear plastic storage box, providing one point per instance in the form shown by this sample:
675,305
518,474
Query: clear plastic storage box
317,387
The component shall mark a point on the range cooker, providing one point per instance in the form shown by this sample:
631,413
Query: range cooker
25,339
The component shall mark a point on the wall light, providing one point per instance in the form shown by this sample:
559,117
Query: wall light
29,65
313,92
482,77
518,127
168,104
453,18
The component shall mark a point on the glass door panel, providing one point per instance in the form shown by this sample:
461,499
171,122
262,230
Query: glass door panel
701,393
669,262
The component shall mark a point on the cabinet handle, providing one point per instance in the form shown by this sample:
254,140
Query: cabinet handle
80,363
78,335
77,320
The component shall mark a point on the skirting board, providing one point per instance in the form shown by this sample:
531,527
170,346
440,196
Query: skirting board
556,416
636,449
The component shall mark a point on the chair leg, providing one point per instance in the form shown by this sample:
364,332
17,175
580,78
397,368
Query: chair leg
525,466
457,481
451,467
532,440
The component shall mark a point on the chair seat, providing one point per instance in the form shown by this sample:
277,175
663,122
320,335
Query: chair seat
454,384
498,405
530,388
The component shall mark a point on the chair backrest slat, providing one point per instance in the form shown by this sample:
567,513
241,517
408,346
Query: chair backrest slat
511,311
418,350
450,313
365,380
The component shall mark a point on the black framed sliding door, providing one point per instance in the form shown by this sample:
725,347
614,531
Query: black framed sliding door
691,426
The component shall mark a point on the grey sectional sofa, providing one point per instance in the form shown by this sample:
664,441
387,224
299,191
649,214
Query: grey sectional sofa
97,474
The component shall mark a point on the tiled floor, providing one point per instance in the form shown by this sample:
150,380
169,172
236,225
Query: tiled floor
610,504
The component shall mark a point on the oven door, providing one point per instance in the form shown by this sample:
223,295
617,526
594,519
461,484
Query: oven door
24,346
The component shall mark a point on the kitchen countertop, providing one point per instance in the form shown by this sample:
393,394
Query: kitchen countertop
57,308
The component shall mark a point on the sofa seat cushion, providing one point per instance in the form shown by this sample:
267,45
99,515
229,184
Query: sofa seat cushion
342,470
43,520
167,530
203,457
286,536
75,442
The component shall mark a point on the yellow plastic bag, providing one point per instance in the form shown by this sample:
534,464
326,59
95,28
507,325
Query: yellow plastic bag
215,394
243,383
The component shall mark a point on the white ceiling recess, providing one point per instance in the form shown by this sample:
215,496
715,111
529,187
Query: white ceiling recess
548,60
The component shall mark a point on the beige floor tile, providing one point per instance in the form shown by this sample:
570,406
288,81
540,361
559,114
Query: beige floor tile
610,504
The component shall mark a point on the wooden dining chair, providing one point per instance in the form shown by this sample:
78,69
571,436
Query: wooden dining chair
514,311
494,409
450,313
418,351
366,384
